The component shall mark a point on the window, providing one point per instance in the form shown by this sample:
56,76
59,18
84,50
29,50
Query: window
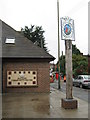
10,40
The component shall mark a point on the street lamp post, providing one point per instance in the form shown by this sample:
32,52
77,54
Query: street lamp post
59,86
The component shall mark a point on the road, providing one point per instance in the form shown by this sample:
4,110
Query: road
77,92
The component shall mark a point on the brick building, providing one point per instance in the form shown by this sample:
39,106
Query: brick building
25,66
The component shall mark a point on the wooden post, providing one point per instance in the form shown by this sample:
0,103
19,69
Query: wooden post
69,102
67,30
69,82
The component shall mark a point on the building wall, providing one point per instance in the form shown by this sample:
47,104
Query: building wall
42,69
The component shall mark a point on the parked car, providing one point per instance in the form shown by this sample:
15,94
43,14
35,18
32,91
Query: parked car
82,81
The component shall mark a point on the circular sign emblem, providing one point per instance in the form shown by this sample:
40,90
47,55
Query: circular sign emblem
67,29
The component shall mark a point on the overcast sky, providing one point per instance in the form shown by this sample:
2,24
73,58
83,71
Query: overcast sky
20,13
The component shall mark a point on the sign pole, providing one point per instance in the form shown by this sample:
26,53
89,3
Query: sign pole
69,82
67,30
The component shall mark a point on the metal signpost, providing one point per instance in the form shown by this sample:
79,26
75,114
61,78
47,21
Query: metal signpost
68,34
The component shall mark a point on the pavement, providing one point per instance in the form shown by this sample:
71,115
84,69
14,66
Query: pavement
41,105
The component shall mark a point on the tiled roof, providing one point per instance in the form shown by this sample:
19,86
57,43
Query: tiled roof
23,47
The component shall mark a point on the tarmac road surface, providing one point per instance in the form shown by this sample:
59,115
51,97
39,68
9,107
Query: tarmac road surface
77,92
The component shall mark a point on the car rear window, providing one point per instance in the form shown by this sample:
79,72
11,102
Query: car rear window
87,77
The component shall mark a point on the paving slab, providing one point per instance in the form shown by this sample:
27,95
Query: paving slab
40,105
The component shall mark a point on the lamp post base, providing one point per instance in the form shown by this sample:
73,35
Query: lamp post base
69,103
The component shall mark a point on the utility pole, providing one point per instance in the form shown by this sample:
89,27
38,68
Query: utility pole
59,85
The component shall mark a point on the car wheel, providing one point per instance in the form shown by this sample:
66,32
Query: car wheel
83,86
80,85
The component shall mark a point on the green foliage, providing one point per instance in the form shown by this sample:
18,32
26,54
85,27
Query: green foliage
79,62
36,35
75,50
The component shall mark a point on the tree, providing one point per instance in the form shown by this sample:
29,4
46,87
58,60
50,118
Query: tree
79,62
75,50
36,35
